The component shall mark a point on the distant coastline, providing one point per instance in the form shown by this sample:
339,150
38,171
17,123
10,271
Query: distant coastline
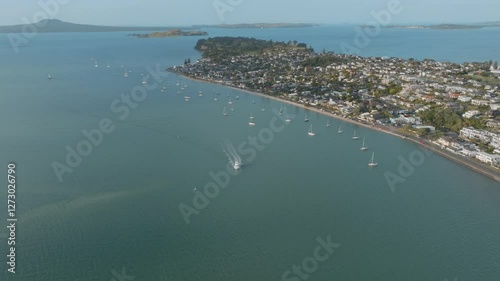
257,25
170,33
57,26
444,26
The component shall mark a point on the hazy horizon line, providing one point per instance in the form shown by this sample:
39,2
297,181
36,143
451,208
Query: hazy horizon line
266,22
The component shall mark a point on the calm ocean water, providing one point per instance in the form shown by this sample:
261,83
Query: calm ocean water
118,210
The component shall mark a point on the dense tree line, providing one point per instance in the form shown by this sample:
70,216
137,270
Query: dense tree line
325,60
219,47
449,120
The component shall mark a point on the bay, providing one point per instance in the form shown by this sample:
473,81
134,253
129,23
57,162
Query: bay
118,210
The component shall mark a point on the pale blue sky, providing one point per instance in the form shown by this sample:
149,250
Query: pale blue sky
188,12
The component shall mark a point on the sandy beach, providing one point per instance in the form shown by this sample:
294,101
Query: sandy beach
469,163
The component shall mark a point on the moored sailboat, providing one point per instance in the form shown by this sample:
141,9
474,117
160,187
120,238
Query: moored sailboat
372,162
311,133
363,146
354,137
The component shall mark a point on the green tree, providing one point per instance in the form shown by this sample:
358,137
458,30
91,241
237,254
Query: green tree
423,132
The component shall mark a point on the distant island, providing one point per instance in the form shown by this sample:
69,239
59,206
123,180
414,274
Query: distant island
445,26
170,33
54,25
257,25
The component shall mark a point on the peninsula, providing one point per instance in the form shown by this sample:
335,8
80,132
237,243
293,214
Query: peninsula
451,109
170,33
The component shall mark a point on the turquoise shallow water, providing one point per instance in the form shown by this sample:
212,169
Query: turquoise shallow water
118,210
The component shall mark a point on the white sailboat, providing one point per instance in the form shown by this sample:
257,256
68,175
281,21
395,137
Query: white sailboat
288,120
372,162
49,77
311,133
251,123
328,123
253,101
363,146
224,112
109,65
200,94
306,119
339,130
187,98
354,137
281,110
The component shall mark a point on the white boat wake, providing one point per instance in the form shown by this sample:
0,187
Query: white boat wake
232,155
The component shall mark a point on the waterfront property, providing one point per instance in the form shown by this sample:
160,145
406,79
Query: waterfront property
424,98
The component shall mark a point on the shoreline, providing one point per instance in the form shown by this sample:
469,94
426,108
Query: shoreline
477,167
